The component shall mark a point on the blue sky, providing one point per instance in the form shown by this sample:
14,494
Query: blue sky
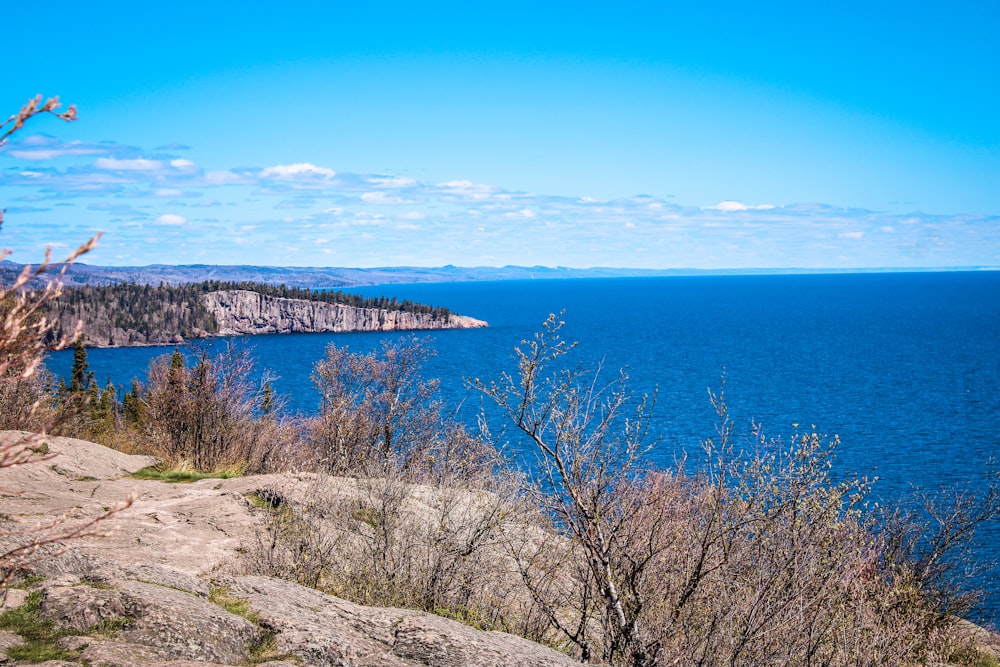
658,135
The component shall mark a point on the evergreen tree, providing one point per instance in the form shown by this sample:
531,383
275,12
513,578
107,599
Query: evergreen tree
177,370
267,399
102,411
134,406
81,378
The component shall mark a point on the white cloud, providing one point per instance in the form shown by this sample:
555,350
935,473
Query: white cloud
365,218
43,154
296,202
297,170
467,189
138,164
382,198
223,178
730,206
567,227
171,219
392,181
44,147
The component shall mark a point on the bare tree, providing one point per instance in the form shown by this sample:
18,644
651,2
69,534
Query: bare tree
384,541
380,417
588,438
413,517
376,411
761,555
23,332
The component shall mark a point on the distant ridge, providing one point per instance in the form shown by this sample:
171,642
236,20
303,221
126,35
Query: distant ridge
336,277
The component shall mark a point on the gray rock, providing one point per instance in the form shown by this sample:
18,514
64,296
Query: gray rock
139,596
326,631
12,597
242,312
170,623
8,640
112,653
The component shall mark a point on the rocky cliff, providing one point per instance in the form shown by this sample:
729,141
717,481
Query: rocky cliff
163,591
242,312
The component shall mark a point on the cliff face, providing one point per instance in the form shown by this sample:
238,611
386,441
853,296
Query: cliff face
241,312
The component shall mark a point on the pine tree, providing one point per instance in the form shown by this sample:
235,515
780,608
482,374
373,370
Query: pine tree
81,378
267,400
134,406
102,411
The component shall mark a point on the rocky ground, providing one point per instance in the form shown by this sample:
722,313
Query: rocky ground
160,589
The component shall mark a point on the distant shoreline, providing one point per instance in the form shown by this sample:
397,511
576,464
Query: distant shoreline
345,277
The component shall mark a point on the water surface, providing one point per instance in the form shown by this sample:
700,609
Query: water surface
904,368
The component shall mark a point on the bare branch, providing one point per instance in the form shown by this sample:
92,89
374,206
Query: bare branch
33,108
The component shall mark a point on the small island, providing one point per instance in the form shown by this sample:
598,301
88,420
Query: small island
130,314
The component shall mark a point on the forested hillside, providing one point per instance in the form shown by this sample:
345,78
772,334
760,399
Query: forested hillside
133,314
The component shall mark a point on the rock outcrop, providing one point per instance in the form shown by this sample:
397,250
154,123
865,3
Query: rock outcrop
157,591
242,312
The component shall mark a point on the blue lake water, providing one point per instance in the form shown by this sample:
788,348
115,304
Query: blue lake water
905,368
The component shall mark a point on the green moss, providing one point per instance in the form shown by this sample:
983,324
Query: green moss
179,476
266,498
973,656
25,620
366,515
469,616
40,635
26,582
263,650
257,501
220,595
110,627
35,651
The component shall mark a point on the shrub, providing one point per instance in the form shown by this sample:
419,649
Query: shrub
207,416
379,417
760,556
